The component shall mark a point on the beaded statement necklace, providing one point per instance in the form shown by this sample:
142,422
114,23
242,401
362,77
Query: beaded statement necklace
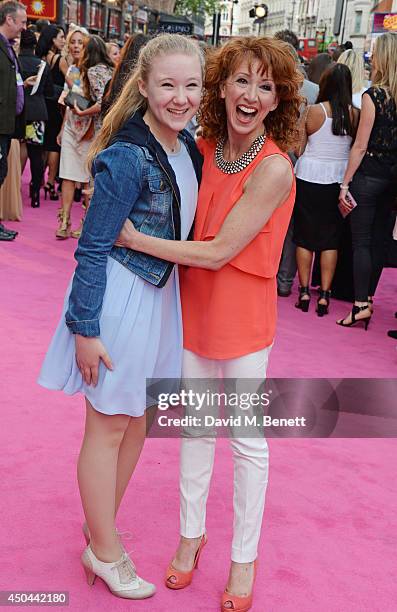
232,167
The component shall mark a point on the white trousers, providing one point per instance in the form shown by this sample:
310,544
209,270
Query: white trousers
250,457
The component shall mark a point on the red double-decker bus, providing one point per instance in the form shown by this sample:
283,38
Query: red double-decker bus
307,48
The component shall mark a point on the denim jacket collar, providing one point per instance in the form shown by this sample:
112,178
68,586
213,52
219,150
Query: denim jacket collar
137,132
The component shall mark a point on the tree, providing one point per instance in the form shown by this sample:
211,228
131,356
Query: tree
195,7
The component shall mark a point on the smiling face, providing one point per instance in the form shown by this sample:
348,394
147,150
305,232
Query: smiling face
14,24
249,94
173,92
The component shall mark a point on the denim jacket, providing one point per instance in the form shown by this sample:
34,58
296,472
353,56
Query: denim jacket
132,179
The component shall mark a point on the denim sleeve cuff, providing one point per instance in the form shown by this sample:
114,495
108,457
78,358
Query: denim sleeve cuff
84,328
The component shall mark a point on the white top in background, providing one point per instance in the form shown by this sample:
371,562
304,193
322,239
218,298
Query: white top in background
325,158
357,97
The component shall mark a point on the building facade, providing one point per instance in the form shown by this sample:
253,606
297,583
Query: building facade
109,18
325,20
314,19
246,26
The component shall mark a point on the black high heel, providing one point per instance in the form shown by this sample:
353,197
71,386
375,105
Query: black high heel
322,309
35,199
303,305
355,311
49,188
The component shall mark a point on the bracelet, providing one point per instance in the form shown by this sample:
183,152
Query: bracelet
342,186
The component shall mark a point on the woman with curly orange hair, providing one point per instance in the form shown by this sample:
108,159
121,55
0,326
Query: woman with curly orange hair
248,117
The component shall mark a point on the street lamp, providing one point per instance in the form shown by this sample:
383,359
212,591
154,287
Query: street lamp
231,16
259,13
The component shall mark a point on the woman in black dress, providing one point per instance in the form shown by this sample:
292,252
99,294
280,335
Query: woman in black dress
328,129
49,47
35,113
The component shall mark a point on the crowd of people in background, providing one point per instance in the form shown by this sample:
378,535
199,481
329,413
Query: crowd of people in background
348,133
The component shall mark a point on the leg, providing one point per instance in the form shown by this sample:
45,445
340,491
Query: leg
304,259
53,164
366,191
328,264
77,232
382,228
287,268
35,153
67,195
129,453
196,465
328,261
97,477
24,155
361,221
251,464
5,143
63,230
87,192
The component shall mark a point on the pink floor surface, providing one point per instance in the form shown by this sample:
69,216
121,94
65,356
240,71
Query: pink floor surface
328,541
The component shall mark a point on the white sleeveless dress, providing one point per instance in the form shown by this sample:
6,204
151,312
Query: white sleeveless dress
141,327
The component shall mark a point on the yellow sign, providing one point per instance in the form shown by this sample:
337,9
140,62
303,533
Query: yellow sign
390,22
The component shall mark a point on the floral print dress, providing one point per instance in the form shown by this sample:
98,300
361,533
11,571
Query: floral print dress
98,76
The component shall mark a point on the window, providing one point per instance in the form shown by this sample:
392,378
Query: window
357,22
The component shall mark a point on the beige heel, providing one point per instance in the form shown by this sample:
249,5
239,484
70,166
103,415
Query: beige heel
63,230
77,232
90,575
120,576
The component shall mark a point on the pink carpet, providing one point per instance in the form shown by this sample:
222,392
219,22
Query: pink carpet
328,539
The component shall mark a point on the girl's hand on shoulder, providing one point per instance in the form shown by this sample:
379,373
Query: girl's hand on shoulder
128,236
89,352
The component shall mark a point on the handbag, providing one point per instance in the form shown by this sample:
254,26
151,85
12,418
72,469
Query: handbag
77,98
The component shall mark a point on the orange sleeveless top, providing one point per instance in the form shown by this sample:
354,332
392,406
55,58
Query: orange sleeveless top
232,312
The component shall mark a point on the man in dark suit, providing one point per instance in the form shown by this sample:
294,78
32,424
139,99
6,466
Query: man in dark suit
12,97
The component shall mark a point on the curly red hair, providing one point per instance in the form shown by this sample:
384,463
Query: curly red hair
282,123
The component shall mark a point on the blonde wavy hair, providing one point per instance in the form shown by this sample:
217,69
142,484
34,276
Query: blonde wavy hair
282,123
76,29
385,64
130,99
355,62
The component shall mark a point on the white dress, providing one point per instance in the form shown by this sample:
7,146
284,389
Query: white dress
141,327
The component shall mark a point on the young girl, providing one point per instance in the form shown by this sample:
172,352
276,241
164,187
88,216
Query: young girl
123,308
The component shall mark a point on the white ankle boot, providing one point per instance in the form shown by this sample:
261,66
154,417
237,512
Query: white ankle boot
120,576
